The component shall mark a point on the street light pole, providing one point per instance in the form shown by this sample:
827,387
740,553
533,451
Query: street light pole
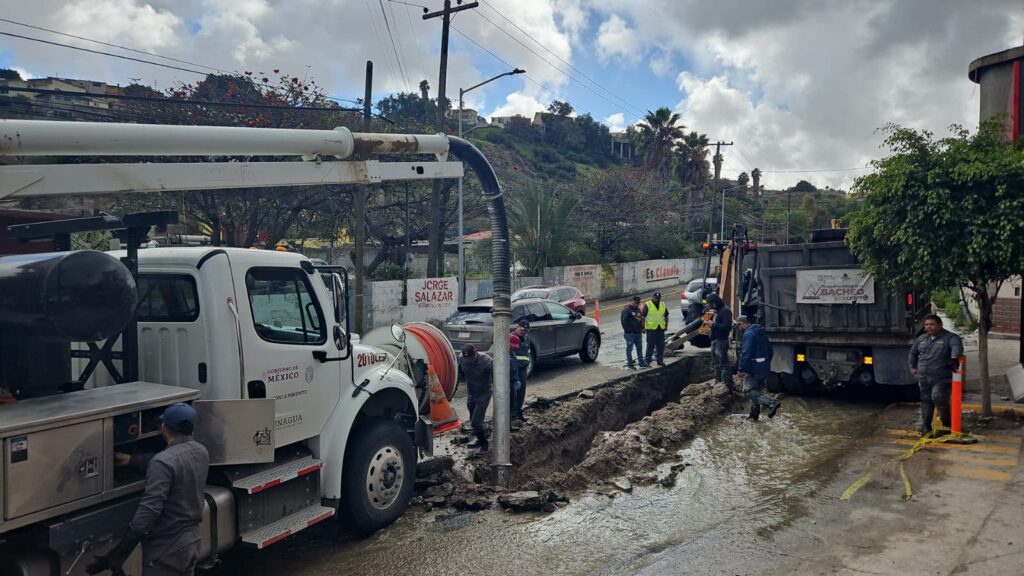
462,230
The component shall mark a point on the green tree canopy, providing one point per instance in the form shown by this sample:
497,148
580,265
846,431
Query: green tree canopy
942,213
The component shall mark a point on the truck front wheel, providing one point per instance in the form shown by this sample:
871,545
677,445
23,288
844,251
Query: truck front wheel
379,474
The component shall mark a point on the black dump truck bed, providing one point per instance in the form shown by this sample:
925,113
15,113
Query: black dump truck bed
831,322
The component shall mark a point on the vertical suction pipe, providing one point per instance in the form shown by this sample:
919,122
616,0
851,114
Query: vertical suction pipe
502,311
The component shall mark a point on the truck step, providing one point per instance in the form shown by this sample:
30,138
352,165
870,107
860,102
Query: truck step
285,527
270,477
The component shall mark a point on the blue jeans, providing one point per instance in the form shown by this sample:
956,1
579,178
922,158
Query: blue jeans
634,340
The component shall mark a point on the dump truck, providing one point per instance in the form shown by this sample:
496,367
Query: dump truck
831,323
303,419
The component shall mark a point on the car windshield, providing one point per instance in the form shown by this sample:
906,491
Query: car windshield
531,293
471,316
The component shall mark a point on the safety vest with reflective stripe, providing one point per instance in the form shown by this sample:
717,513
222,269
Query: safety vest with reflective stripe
656,316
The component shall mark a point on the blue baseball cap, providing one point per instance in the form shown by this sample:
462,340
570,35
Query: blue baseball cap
524,323
180,418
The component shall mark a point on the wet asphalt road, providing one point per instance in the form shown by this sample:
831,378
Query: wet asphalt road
744,482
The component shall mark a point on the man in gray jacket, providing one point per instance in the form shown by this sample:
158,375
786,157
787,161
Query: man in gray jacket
933,358
167,520
478,369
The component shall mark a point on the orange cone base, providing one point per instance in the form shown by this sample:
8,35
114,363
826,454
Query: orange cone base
446,426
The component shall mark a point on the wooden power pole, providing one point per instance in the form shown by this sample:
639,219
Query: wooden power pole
360,231
435,239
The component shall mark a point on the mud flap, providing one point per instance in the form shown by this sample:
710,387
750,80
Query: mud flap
424,437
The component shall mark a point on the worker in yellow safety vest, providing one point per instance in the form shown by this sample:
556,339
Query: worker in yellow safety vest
655,314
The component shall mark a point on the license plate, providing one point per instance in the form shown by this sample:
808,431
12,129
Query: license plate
836,356
463,335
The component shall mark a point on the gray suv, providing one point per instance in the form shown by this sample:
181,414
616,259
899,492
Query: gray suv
555,331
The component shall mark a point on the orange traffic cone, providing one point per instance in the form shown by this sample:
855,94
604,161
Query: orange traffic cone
597,310
441,413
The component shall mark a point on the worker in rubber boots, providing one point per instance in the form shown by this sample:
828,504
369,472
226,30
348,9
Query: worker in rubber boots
933,358
755,365
655,314
721,330
166,522
478,368
522,354
516,380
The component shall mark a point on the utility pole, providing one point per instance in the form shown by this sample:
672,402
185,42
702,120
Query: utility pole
435,257
408,242
360,235
718,174
789,206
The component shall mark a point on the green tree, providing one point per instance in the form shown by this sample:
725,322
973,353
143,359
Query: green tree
542,225
559,108
10,74
693,170
942,213
656,137
743,180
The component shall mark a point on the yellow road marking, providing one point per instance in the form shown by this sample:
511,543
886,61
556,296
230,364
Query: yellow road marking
977,408
967,447
997,438
979,473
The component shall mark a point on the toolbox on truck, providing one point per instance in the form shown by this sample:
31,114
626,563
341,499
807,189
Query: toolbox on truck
58,451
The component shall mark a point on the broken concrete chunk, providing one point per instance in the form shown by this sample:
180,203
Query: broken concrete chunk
472,502
623,484
531,400
586,394
526,501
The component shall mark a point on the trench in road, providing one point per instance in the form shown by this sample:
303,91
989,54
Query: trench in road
745,481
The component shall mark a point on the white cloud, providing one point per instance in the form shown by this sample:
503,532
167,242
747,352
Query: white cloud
661,64
142,27
615,39
616,122
521,104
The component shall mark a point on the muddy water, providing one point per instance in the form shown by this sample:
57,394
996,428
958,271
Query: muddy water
743,481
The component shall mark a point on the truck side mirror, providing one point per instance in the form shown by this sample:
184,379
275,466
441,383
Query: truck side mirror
340,301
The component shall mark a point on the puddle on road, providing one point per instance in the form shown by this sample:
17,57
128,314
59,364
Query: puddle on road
744,481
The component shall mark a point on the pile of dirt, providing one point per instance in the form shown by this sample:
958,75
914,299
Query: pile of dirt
619,429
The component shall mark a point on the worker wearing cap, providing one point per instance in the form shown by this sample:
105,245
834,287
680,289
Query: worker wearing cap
933,358
655,314
721,330
755,366
522,355
478,368
167,519
632,329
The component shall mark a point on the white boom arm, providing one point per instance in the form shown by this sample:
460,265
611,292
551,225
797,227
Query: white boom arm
45,138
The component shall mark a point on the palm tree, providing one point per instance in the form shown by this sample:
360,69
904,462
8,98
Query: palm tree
657,135
693,171
541,223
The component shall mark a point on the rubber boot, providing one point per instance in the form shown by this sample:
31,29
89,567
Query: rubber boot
481,440
944,415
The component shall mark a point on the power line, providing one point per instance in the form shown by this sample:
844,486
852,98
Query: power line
118,46
380,43
807,171
527,76
394,46
548,62
553,53
112,55
415,40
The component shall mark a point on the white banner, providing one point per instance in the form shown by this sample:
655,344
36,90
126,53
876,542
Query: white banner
851,286
586,278
431,298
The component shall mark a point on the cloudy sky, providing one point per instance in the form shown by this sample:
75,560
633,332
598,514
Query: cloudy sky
798,85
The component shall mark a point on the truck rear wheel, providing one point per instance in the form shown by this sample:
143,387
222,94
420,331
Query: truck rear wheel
380,471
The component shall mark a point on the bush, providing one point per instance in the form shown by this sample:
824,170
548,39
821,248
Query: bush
955,309
389,270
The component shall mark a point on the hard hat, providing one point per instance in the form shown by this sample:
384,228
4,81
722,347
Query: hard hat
281,249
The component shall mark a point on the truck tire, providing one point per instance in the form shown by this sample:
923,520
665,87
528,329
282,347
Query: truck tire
774,382
591,347
380,471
